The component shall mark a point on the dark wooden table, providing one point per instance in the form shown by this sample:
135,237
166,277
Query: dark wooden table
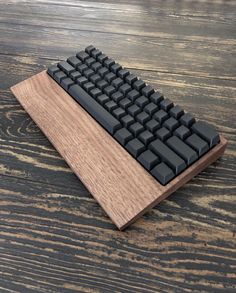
54,237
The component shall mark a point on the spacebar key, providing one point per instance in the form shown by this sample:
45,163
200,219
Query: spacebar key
110,123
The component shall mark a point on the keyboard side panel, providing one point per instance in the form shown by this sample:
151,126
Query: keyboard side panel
117,181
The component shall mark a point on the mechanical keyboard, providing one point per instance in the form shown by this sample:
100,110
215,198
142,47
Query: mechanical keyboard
129,145
160,135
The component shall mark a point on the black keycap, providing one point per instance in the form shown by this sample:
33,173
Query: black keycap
115,68
207,132
74,75
163,133
125,88
108,62
166,104
66,83
182,149
119,112
95,53
117,96
123,136
90,61
135,147
58,76
168,156
123,73
82,80
150,108
74,61
142,101
52,70
139,84
125,103
133,110
81,68
103,99
171,123
131,78
156,98
136,128
127,120
88,86
160,116
109,90
89,49
111,105
117,82
110,123
143,117
147,91
146,137
153,125
102,84
109,77
162,173
82,55
187,119
88,73
101,58
95,78
96,66
95,93
176,112
182,132
103,71
133,95
198,144
148,159
66,67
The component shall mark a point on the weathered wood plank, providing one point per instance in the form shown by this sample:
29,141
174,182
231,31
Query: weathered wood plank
57,245
174,22
168,55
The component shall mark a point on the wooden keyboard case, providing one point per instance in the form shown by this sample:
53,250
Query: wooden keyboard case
123,188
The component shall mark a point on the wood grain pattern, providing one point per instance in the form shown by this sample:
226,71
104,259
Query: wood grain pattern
53,235
118,182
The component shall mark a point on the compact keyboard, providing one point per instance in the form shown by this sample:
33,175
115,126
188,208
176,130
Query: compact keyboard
163,138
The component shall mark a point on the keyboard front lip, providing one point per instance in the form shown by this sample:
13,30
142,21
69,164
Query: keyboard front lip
33,94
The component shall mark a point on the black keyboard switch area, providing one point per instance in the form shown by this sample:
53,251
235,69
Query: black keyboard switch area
163,138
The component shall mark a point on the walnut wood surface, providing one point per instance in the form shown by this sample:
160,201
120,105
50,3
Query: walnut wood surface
54,237
117,181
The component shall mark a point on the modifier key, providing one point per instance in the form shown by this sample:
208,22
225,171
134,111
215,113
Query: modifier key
206,132
52,70
66,67
182,149
162,173
200,145
168,156
148,159
110,123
